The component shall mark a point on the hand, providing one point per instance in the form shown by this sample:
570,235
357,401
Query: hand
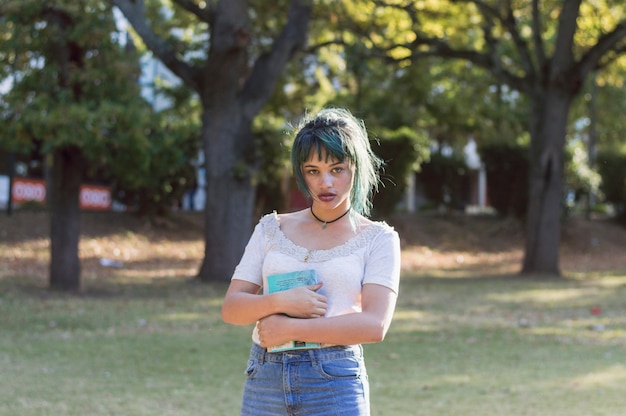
303,302
274,330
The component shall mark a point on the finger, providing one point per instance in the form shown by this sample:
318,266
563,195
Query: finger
318,313
316,286
319,298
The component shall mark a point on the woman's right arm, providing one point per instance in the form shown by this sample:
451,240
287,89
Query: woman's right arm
244,306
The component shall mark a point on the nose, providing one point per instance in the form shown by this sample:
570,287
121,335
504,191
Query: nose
327,180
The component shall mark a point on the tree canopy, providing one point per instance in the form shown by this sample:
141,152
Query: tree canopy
73,99
544,50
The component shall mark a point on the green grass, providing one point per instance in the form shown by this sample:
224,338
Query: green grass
503,346
463,346
158,350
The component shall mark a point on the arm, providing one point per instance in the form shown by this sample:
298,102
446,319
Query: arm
244,306
368,326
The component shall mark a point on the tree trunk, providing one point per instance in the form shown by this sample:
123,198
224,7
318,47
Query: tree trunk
233,89
65,219
230,192
543,228
232,94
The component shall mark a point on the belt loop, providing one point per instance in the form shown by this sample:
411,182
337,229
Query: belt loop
262,357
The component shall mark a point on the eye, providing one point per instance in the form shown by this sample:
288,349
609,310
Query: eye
311,171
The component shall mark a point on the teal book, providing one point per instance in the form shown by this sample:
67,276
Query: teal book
284,281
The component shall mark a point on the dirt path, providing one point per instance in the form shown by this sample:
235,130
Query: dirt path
431,243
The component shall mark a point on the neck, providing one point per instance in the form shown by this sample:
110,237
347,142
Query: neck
324,222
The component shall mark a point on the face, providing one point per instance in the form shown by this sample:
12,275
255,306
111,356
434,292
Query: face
329,181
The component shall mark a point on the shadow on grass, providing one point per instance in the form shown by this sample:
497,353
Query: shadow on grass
177,286
567,308
26,225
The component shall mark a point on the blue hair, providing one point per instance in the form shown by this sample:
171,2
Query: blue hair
344,138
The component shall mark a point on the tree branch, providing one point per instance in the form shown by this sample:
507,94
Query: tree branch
520,44
537,24
564,44
206,14
134,11
609,42
443,50
269,66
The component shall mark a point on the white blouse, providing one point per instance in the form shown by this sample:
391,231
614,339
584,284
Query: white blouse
370,257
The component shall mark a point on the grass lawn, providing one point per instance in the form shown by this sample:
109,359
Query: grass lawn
470,337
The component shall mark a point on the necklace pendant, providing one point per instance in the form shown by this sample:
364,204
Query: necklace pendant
325,223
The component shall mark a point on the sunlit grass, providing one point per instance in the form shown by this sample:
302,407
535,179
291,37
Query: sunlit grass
504,346
457,347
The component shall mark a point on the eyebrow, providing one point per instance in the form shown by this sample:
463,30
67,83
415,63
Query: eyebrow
310,164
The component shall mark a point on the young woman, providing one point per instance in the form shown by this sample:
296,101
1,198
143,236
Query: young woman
356,260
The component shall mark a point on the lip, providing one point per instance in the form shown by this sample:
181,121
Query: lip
326,197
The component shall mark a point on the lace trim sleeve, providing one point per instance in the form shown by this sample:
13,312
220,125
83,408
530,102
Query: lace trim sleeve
276,239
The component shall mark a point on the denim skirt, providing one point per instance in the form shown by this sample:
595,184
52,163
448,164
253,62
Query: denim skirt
326,381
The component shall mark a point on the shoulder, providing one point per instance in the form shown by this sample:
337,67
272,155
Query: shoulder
285,216
269,218
376,227
290,221
274,221
381,235
290,217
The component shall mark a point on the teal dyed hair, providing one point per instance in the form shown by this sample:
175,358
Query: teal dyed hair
344,138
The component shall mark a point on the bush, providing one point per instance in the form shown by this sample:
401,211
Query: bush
444,179
273,154
403,150
151,180
507,177
612,168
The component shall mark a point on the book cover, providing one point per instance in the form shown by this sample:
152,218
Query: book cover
284,281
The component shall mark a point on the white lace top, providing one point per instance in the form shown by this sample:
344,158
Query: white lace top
372,256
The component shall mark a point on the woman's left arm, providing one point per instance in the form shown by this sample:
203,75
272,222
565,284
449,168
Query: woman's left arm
368,326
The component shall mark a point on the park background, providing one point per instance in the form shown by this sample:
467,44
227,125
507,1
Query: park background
513,274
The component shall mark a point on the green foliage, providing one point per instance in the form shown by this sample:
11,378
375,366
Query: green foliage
507,177
272,150
579,175
445,101
154,188
186,35
93,102
71,84
403,151
600,108
444,179
609,111
612,168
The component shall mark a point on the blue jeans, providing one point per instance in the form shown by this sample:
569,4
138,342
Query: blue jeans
326,381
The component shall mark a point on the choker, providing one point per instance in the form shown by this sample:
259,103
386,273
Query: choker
325,223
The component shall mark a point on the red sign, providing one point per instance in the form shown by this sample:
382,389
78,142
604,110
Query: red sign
25,190
92,197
